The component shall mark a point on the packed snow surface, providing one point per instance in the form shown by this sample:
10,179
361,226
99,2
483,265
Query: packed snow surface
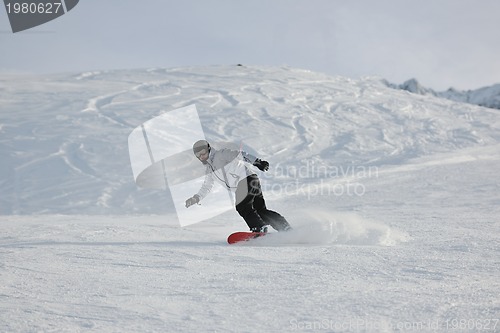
394,198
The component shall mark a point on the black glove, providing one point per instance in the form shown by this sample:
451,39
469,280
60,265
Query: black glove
262,165
193,200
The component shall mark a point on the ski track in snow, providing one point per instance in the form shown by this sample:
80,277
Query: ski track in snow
82,249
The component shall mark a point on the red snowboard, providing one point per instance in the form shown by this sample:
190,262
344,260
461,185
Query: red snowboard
243,236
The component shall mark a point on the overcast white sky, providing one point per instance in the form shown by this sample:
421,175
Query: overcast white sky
442,43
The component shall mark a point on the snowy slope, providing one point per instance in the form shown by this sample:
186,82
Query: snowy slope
64,138
394,198
486,96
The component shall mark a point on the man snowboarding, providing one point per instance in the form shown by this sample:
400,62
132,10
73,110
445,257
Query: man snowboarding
231,168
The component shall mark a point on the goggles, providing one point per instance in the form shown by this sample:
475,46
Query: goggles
200,153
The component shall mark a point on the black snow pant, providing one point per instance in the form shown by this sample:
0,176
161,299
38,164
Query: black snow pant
251,206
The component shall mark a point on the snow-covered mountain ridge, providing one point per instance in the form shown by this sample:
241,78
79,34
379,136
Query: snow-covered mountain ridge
63,138
487,96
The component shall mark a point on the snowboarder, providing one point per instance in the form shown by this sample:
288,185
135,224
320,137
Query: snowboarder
231,169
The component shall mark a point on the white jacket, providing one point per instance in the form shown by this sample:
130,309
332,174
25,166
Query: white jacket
228,167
